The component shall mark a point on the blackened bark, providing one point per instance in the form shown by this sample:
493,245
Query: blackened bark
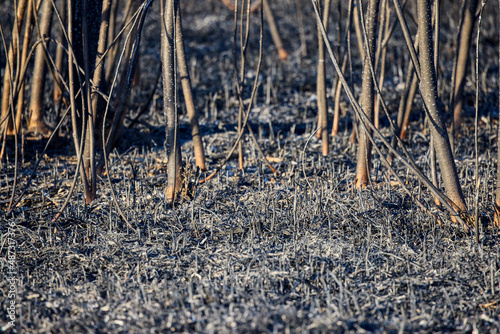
497,190
321,84
462,60
367,100
169,97
199,152
428,90
37,106
86,23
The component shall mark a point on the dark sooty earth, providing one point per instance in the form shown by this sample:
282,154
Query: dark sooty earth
249,251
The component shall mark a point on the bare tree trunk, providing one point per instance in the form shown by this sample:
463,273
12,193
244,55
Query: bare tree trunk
408,107
89,113
338,89
37,106
437,24
302,33
28,30
6,124
321,85
497,190
428,90
169,97
367,101
282,53
85,20
98,76
243,48
336,108
199,152
60,56
6,119
462,60
357,29
381,54
77,121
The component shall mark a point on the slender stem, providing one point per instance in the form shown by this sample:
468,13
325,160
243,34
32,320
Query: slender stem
476,125
497,189
170,98
187,90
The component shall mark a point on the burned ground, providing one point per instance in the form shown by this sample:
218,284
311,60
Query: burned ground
250,251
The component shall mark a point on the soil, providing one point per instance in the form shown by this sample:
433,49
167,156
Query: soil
250,251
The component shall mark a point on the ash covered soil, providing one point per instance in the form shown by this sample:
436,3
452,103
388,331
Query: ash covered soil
249,251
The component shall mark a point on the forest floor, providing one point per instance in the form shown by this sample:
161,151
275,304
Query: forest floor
250,251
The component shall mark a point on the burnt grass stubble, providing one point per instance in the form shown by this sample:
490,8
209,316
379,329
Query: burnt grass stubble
248,251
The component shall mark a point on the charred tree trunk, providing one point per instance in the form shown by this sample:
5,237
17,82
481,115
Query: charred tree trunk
98,79
6,120
367,98
282,53
357,29
497,190
74,84
381,54
408,107
462,60
338,88
428,90
37,106
321,84
199,152
336,108
60,57
170,97
28,30
85,21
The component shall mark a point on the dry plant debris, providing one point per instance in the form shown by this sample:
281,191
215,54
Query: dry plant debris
249,251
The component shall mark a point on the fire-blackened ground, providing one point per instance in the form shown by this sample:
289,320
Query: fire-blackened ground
250,251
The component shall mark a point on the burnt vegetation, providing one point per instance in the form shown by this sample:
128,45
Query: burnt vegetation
251,166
